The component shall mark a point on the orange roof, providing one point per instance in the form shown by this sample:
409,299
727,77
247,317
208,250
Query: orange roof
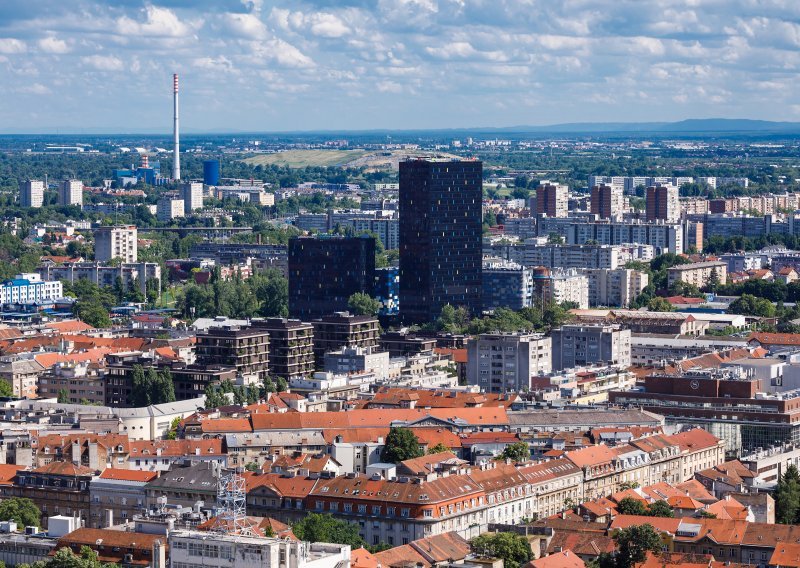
297,487
593,455
374,418
64,468
226,425
69,326
47,360
457,355
8,472
696,490
684,502
563,559
695,439
176,448
363,558
663,524
128,475
661,491
775,338
675,560
786,555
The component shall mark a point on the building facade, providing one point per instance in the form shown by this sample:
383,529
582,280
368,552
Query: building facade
115,242
246,349
192,196
31,193
586,345
662,203
291,347
71,192
29,288
505,362
343,329
607,201
615,288
552,199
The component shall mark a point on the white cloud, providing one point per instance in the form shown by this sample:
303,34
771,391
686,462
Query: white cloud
35,89
158,22
245,25
10,46
103,62
52,44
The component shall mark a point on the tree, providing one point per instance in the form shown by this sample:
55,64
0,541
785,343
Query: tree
172,434
6,390
438,449
660,509
363,304
513,548
631,506
22,511
281,384
517,452
633,544
252,466
316,527
707,515
628,485
750,305
659,304
787,497
93,313
215,397
401,444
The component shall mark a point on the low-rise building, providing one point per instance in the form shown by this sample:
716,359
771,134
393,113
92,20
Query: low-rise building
698,274
117,495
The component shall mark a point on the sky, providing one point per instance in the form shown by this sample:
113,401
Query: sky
288,65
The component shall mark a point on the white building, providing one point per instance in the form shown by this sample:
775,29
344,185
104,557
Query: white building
560,286
169,208
617,288
28,288
192,196
501,362
32,193
582,345
116,242
71,192
358,359
190,549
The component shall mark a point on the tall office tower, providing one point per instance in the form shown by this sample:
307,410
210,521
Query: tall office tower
607,201
440,237
115,242
324,271
31,193
662,203
192,195
71,192
552,199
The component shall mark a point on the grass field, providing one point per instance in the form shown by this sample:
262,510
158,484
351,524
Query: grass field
303,158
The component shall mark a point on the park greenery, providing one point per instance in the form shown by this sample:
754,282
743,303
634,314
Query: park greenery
22,511
152,386
319,527
514,549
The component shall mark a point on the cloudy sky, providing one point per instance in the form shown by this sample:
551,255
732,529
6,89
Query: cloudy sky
276,65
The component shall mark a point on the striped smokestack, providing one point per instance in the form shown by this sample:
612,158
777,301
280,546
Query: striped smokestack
176,162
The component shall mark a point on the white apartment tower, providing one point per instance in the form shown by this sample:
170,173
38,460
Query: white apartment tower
115,242
505,362
32,193
71,192
192,196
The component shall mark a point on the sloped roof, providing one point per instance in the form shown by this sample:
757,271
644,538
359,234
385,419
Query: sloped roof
593,455
64,468
128,475
563,559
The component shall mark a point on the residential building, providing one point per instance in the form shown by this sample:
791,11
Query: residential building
23,376
185,484
169,208
506,285
29,288
607,201
115,241
116,495
662,236
58,488
222,550
698,274
291,347
83,382
505,362
559,285
120,548
582,345
584,256
161,455
144,273
192,196
358,360
31,193
71,192
440,237
244,348
343,329
615,287
662,203
324,271
552,199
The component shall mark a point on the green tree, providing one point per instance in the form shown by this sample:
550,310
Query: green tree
140,393
172,433
438,449
660,509
631,506
401,444
93,313
316,527
214,397
517,452
252,466
707,515
281,384
22,511
513,548
363,304
633,544
787,496
163,387
750,305
659,304
6,390
628,485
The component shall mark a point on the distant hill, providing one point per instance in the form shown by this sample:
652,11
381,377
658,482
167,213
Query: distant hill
689,125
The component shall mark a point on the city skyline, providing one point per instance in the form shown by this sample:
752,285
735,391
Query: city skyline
279,66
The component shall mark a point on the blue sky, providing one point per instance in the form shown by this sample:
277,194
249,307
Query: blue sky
361,64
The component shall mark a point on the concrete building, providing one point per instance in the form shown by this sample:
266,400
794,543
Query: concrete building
582,345
698,273
663,237
505,362
244,348
31,193
192,196
189,548
615,288
291,346
118,241
558,286
29,288
169,208
358,360
506,285
662,203
129,272
552,199
71,192
343,329
116,496
607,201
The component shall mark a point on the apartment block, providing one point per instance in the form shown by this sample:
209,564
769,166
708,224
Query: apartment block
343,329
559,285
586,345
192,196
118,241
607,201
698,273
291,347
506,285
662,203
244,348
552,199
505,362
169,208
71,192
615,288
31,193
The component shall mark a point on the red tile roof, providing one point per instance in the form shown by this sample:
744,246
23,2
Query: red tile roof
128,475
563,559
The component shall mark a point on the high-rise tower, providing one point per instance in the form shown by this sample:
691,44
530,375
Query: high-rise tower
176,161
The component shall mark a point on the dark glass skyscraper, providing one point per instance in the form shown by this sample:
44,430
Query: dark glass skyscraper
324,271
440,237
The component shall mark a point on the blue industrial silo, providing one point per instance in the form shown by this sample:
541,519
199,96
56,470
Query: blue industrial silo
211,172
